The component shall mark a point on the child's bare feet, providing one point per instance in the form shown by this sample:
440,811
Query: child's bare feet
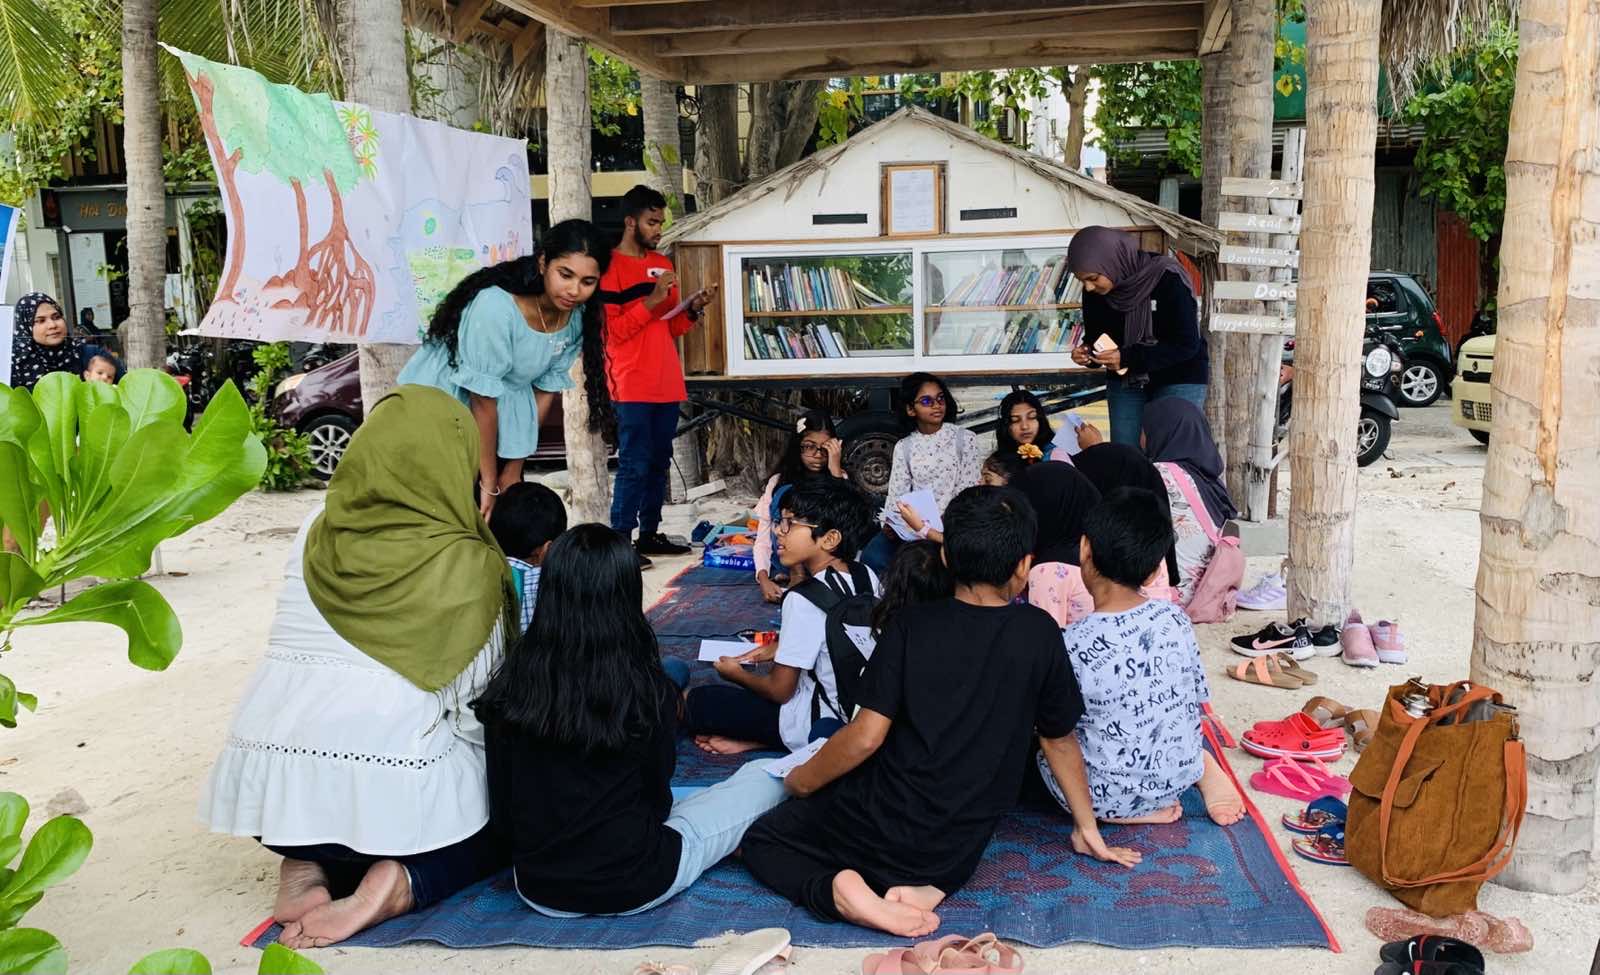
927,898
718,745
1170,814
385,892
1223,803
859,905
302,886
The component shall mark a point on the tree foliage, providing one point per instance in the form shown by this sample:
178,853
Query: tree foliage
613,91
1151,95
1464,108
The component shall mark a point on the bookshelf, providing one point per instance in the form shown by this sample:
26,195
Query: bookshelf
950,304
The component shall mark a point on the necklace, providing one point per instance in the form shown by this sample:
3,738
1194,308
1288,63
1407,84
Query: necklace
539,308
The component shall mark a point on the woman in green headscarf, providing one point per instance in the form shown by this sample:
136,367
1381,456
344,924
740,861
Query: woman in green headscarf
355,755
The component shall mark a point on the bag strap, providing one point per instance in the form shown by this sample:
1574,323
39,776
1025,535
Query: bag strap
1191,494
1500,851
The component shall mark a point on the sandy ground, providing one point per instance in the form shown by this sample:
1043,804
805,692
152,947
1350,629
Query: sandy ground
137,746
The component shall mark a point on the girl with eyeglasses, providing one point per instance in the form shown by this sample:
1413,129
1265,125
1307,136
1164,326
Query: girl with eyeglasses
935,456
815,452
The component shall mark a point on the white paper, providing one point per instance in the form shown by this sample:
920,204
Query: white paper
926,507
781,767
913,201
713,650
679,308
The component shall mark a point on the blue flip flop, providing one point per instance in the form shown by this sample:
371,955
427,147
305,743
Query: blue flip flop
1320,813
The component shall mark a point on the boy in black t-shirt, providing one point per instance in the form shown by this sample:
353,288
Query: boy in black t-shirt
900,804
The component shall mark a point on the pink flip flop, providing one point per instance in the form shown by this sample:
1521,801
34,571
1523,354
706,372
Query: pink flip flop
1299,780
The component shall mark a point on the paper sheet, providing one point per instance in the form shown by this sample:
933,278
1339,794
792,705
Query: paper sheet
713,650
924,504
781,767
681,306
914,202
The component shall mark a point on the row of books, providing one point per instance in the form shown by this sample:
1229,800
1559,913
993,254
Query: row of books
786,287
1020,336
797,340
1031,285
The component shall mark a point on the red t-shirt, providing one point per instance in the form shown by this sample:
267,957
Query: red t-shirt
641,354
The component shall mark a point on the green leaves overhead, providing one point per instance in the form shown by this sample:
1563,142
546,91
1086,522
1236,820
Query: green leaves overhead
32,70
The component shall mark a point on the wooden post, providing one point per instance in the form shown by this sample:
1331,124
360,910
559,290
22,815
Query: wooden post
1216,162
1538,614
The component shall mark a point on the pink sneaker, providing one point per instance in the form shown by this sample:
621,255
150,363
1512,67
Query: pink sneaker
1389,641
1356,639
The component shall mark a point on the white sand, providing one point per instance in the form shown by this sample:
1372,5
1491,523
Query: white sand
137,746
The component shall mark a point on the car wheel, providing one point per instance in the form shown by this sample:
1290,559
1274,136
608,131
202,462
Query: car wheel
1372,437
1482,436
869,457
330,436
1420,384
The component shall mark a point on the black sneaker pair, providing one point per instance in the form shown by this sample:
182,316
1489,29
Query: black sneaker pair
655,543
1430,955
1296,639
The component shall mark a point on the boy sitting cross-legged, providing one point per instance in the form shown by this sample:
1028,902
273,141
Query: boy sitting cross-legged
1138,747
899,805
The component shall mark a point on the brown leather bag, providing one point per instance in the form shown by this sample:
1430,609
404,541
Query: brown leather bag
1437,801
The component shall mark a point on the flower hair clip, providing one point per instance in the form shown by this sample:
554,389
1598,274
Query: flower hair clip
1029,453
800,425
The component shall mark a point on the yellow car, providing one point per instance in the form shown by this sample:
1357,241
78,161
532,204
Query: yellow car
1471,387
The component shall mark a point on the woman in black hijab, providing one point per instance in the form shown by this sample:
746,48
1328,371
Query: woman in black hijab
1060,496
1179,445
1112,465
41,342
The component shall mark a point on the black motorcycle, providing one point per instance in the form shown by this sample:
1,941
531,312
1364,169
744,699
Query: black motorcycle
202,365
1381,366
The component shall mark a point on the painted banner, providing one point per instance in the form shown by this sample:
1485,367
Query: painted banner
347,224
8,229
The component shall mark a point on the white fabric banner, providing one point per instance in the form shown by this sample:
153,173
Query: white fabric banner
8,230
347,224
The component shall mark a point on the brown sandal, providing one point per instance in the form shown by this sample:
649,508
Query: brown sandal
1325,711
1292,667
1362,725
1267,672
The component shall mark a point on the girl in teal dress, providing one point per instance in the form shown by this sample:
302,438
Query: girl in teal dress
504,340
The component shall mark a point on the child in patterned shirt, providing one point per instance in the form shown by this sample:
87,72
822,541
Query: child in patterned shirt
527,517
1138,665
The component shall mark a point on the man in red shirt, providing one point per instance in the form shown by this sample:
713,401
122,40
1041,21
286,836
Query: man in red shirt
641,291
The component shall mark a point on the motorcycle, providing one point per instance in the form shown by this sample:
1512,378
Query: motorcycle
1381,366
201,366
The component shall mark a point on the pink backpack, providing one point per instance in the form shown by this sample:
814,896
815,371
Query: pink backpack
1217,591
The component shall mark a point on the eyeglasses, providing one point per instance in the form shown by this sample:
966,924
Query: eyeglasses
787,522
937,399
812,448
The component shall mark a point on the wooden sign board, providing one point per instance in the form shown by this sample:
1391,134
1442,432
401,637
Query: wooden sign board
1254,290
1261,189
1259,223
1252,324
1258,256
912,198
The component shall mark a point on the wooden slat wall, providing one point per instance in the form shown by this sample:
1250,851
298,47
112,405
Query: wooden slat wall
704,349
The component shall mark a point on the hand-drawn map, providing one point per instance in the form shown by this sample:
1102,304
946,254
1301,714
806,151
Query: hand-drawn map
347,224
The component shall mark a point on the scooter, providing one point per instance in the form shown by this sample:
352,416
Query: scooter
1381,366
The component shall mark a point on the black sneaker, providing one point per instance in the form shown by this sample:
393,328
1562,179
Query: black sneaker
1325,642
644,563
656,543
1291,638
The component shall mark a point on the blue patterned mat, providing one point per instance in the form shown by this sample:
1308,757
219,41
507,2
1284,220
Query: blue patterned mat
1199,885
699,576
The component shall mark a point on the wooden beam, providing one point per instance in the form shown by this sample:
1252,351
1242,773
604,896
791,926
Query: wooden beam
590,24
1079,23
955,56
530,40
673,18
620,3
1215,26
466,18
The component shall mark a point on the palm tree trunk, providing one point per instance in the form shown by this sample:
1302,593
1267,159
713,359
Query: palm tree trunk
146,335
1250,77
566,85
1538,613
658,100
1216,159
376,75
1077,95
1335,251
717,171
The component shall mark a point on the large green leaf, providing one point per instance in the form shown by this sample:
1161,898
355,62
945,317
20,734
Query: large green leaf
33,62
10,698
114,539
150,395
18,582
91,395
172,961
19,500
13,816
154,635
56,396
54,854
104,433
278,960
11,914
18,416
29,951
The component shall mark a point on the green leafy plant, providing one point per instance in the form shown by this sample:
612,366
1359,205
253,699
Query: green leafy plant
288,451
54,853
120,475
276,960
613,91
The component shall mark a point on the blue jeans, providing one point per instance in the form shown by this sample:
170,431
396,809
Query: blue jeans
741,714
1125,404
434,875
644,453
712,823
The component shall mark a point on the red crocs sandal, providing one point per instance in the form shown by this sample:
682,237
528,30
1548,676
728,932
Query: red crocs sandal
1290,740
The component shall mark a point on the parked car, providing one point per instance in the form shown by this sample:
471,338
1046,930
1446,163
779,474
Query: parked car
1399,306
325,405
1473,411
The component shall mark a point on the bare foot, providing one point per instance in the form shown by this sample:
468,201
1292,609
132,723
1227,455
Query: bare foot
1171,814
1223,803
859,905
302,886
385,892
718,745
926,898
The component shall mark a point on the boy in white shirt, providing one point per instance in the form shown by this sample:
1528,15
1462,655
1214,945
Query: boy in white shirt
821,529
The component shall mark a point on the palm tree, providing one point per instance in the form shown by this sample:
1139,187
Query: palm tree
1538,607
147,189
33,63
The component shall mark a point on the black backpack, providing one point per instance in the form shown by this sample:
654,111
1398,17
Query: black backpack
848,653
